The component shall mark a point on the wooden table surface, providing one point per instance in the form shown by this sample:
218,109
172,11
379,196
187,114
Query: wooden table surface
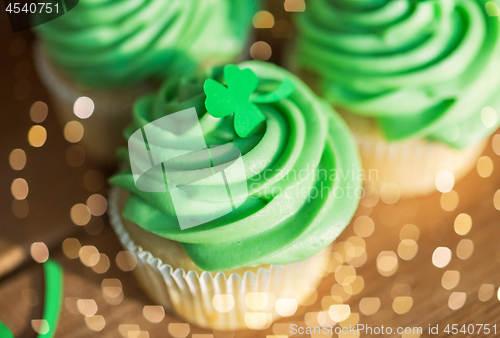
388,290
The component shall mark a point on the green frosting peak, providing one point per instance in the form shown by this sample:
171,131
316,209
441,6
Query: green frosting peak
110,43
301,169
420,68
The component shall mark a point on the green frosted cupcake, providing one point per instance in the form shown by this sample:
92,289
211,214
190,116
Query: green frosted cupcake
113,51
418,79
302,187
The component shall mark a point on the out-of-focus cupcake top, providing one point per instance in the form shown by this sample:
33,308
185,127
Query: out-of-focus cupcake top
420,68
300,168
109,43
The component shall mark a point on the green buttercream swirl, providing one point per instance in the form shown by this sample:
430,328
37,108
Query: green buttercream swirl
420,68
302,170
110,43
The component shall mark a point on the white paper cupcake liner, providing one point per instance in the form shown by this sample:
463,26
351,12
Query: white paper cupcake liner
413,165
212,300
112,108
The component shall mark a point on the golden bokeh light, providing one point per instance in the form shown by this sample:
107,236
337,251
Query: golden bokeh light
445,181
311,319
409,231
371,198
80,214
486,292
449,201
126,261
450,279
83,107
39,251
358,261
485,166
463,224
441,257
345,274
355,287
457,300
40,326
286,307
263,19
496,200
350,321
71,248
339,312
38,112
97,204
357,248
338,294
86,307
261,50
364,226
258,320
129,330
259,301
295,5
465,249
103,264
112,291
73,131
496,144
37,136
19,188
153,314
95,323
407,249
369,305
89,255
402,305
223,303
17,159
387,263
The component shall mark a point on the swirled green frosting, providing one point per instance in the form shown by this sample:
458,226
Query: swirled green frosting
420,68
109,43
302,170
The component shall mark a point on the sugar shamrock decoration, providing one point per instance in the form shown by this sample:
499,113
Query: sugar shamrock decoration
239,98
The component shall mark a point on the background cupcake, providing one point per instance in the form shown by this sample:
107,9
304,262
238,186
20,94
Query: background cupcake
114,51
301,174
417,80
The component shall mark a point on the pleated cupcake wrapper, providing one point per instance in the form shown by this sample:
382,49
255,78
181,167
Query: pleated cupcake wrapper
414,164
218,301
112,108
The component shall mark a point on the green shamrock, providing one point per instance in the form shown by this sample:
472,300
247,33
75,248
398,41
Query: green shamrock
237,98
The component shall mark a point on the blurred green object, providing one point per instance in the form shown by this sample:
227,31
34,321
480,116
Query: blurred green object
53,297
5,332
